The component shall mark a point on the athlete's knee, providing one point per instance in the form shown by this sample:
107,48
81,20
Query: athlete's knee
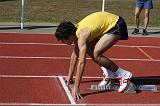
97,57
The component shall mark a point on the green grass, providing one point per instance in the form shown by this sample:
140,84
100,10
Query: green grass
73,10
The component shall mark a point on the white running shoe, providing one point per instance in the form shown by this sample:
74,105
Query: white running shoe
104,82
124,80
107,75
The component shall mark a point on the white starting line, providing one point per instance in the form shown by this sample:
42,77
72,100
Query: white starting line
68,93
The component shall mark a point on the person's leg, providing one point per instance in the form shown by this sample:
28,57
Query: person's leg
146,18
137,20
119,32
107,74
147,6
146,21
138,9
115,34
105,42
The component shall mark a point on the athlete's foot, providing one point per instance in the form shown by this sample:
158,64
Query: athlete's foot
107,76
124,80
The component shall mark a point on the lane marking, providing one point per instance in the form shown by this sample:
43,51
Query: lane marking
147,55
36,57
37,104
29,43
68,58
156,47
51,44
41,76
96,104
50,76
26,76
52,34
68,93
144,36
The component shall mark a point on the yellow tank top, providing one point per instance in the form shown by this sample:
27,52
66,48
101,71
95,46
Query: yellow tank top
98,22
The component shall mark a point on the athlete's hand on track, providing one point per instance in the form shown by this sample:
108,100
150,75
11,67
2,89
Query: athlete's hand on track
69,81
76,94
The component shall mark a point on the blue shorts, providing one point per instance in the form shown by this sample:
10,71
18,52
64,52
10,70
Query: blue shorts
146,4
120,29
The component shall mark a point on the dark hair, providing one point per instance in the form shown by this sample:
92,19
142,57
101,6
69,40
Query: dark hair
64,30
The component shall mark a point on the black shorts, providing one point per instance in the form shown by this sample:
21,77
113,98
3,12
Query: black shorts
119,29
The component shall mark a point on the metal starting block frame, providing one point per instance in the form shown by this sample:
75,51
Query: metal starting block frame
131,88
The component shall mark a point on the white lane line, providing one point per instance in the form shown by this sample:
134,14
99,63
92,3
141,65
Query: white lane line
144,36
49,76
30,43
68,58
41,76
36,57
68,93
52,44
26,76
156,47
145,53
96,104
36,104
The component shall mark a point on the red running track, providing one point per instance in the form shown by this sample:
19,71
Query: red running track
28,62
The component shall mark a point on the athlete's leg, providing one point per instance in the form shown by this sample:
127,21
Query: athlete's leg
105,42
107,74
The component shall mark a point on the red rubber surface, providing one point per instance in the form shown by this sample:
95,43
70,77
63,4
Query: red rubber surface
51,60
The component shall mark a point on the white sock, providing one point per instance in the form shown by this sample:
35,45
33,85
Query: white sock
120,72
108,73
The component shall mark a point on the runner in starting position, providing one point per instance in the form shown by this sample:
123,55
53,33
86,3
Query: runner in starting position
94,35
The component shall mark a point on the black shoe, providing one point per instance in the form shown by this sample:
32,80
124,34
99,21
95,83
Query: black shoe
145,32
136,31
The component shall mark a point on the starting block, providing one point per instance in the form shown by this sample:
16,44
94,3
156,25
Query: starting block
131,88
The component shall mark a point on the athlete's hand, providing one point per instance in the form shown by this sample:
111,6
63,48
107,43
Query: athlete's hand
76,94
69,81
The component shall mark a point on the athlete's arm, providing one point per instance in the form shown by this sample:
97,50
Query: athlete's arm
82,44
73,61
